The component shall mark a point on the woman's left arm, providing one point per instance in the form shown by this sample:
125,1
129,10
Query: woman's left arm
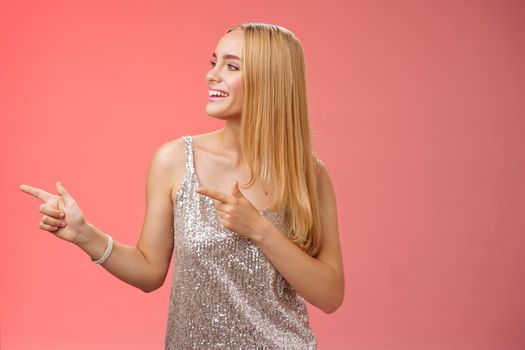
318,280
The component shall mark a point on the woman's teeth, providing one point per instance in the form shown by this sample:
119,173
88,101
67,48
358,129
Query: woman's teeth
217,94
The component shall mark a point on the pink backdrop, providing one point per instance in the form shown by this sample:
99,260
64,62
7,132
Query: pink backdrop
418,113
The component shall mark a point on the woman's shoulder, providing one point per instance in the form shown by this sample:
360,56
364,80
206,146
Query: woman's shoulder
170,155
169,150
319,165
173,152
169,161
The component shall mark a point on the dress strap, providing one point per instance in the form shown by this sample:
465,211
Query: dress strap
190,165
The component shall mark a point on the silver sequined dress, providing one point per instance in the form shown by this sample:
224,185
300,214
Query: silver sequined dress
225,293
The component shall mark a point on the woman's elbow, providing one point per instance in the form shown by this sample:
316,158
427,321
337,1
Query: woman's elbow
333,307
336,302
153,286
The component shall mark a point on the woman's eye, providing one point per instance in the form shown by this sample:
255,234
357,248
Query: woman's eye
229,65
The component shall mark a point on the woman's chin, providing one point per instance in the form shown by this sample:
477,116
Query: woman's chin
222,114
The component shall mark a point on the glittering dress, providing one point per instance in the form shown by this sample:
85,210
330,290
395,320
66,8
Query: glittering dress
225,293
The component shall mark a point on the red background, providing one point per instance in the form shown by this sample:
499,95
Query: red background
418,114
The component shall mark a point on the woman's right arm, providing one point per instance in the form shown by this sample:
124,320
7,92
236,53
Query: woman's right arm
145,265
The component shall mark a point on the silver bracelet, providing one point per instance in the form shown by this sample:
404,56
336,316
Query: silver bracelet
106,253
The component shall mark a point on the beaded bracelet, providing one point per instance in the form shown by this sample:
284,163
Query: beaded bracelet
106,253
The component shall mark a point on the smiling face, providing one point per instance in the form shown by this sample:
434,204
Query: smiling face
226,75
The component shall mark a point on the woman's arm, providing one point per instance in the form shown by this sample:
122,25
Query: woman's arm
319,280
144,266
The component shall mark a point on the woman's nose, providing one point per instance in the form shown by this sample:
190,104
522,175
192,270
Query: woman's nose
212,76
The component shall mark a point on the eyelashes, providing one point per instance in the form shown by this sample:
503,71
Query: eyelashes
229,65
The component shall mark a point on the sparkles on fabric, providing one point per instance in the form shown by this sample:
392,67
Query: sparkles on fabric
225,293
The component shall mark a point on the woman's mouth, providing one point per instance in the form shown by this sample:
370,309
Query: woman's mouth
216,98
216,95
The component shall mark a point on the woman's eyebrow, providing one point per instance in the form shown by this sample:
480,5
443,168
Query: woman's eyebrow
229,56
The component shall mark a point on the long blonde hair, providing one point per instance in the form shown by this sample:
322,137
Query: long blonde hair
275,133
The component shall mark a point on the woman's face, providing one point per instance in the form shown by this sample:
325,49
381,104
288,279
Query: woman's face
226,75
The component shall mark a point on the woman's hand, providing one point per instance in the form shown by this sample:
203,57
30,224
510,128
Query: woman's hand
235,212
53,206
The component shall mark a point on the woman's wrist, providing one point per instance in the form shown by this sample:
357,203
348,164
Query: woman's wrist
107,252
86,234
261,231
92,241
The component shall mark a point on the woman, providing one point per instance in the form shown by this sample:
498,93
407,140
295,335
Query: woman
244,260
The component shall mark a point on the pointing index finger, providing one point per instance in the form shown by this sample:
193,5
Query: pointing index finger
213,194
36,192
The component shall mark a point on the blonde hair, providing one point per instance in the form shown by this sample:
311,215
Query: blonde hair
275,133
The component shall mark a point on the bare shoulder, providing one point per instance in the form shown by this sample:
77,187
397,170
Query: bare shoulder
325,185
169,163
170,154
323,177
